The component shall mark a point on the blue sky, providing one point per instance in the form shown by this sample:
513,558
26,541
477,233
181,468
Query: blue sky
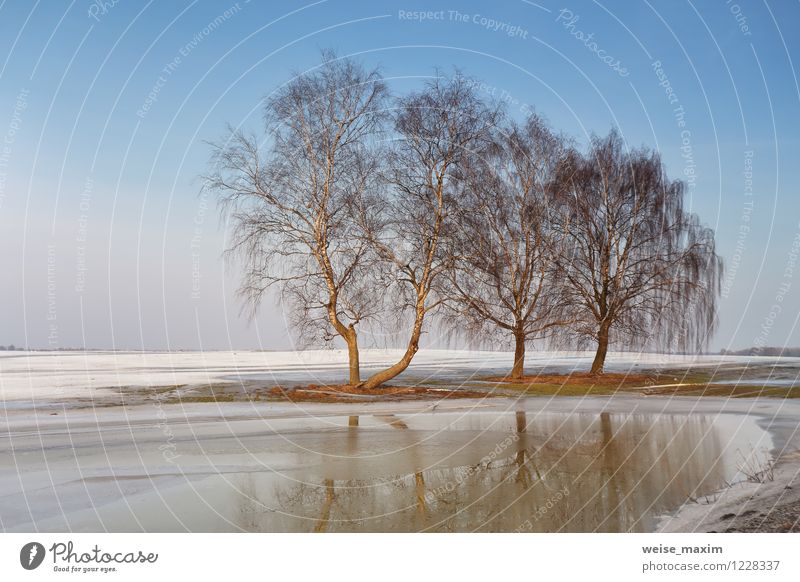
106,108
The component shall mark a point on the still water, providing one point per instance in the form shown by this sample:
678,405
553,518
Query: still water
426,471
500,472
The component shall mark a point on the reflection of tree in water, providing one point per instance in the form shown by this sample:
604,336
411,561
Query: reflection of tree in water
576,473
325,514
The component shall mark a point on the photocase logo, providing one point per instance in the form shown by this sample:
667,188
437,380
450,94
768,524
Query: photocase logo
31,555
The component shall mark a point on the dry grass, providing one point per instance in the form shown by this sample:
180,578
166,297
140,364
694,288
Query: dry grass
668,383
582,378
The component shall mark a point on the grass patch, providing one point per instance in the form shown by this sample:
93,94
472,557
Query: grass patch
541,389
671,382
728,391
719,381
581,384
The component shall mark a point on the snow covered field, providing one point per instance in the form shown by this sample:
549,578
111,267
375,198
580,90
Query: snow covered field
38,376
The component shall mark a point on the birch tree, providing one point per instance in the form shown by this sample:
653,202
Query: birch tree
293,196
437,130
641,270
503,279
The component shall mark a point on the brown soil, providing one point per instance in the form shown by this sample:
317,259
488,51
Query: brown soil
582,378
347,393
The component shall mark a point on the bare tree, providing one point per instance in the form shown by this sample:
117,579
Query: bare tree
348,229
640,269
437,130
294,207
503,277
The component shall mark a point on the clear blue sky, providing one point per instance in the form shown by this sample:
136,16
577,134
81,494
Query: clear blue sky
105,109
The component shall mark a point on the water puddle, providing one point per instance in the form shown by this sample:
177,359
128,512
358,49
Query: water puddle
442,471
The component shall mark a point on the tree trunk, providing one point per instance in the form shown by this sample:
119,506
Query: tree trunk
602,349
413,346
518,370
353,358
349,335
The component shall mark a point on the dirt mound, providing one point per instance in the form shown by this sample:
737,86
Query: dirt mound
348,393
